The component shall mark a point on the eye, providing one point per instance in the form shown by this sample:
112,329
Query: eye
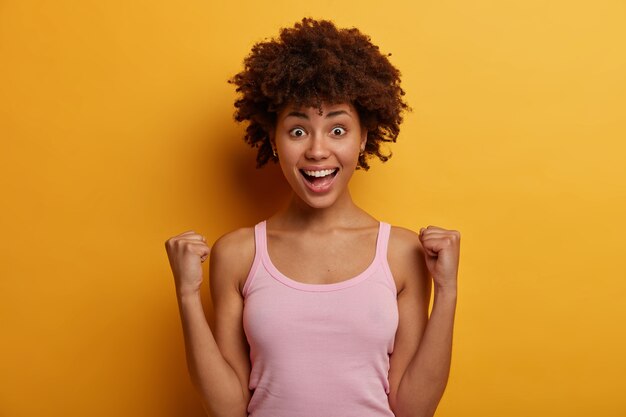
338,131
297,132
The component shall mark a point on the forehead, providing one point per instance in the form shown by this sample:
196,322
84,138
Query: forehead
314,111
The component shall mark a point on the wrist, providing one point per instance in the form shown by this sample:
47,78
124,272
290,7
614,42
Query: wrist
449,291
187,293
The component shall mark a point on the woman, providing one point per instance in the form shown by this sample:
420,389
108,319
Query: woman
321,310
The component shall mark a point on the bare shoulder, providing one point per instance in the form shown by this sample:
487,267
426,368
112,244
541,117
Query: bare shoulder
406,257
234,252
236,240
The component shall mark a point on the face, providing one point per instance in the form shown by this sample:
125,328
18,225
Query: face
319,153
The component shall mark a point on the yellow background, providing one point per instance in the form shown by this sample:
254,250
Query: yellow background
117,133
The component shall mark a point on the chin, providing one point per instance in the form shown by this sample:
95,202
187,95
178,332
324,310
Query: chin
317,202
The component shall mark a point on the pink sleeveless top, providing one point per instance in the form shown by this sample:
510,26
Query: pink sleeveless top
320,350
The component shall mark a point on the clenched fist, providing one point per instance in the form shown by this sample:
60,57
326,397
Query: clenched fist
441,252
186,252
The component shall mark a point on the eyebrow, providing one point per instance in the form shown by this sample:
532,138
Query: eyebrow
329,114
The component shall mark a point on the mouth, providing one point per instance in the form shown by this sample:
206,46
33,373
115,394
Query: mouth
320,180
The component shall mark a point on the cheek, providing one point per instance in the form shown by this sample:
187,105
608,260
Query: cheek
287,156
350,151
288,163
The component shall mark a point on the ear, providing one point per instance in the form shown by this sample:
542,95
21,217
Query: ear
272,134
363,139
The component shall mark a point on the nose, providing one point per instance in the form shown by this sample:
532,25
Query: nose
317,148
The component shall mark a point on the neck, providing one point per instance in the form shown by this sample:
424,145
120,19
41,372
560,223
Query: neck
343,213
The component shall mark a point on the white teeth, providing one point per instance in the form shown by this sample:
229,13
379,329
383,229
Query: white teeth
319,174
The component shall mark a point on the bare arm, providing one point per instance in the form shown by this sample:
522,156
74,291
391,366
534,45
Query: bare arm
216,380
425,345
426,376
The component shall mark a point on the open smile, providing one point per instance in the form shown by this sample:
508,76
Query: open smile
319,181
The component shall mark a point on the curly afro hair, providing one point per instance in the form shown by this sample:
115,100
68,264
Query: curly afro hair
314,63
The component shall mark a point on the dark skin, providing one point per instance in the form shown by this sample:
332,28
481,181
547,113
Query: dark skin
320,237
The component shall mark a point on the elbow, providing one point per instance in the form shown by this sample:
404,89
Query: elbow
413,413
226,410
392,403
234,405
421,402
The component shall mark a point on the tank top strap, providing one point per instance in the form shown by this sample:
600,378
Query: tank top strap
260,243
260,237
382,245
383,240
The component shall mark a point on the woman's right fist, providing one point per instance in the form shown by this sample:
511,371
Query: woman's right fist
186,252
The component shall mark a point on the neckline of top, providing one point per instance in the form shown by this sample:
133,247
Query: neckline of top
319,287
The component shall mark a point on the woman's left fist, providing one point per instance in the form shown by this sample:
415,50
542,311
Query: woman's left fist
441,252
